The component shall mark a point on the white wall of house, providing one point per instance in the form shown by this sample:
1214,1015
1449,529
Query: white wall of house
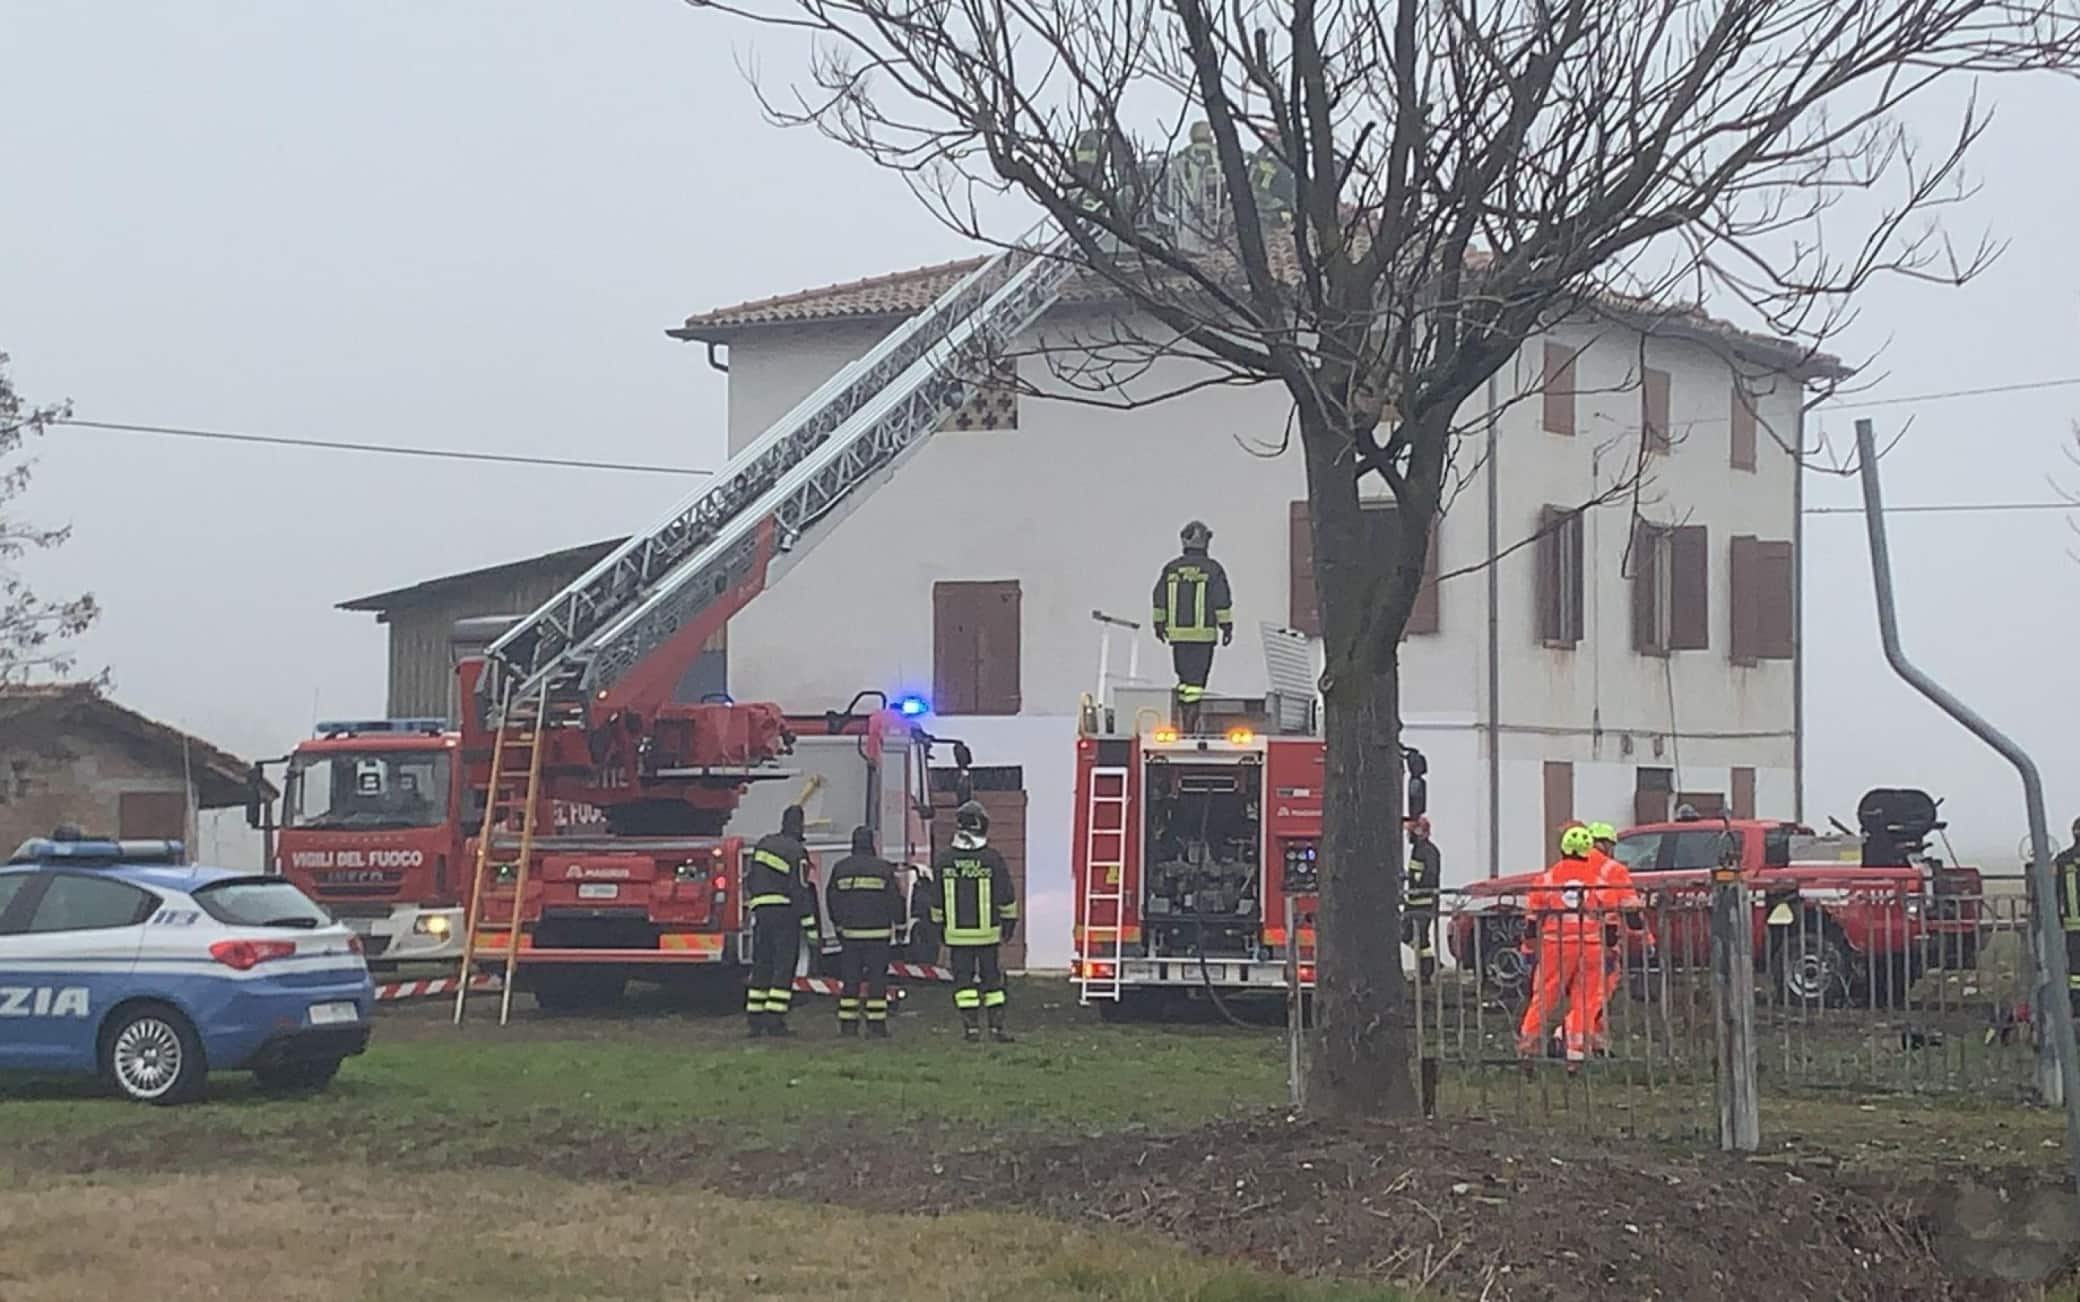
1081,506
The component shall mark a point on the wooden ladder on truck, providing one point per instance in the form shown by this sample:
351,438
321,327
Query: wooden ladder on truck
516,784
1104,882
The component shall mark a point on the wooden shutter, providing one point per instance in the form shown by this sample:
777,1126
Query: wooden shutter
1690,593
955,673
1744,638
976,647
1744,793
152,815
1551,552
1776,601
1646,589
998,650
1742,418
1650,792
1558,804
1303,612
1653,404
1558,390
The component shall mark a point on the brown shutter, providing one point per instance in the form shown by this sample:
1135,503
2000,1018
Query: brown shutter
1744,635
954,665
1650,791
1559,390
1549,551
997,651
1690,594
1423,616
152,815
1776,580
1744,793
1303,613
1559,802
1742,452
1646,564
1653,403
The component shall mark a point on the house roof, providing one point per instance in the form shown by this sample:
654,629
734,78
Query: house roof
901,294
221,778
427,590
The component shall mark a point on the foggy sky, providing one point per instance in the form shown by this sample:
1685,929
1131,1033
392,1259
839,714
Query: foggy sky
467,226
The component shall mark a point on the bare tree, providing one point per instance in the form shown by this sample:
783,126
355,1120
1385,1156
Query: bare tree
1403,192
33,630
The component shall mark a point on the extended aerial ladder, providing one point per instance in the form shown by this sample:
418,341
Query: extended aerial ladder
614,643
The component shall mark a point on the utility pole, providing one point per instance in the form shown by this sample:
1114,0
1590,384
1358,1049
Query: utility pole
2059,1069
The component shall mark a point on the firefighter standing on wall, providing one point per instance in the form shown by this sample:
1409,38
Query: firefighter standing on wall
2067,867
1193,609
979,910
1568,985
783,907
865,907
1419,897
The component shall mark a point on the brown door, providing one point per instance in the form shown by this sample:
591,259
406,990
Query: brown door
152,815
1007,835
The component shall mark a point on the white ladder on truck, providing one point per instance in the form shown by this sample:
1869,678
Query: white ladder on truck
799,474
1104,882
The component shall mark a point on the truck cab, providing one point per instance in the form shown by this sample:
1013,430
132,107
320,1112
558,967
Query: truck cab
372,821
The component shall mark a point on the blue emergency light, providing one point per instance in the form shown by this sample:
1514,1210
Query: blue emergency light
363,727
102,851
912,706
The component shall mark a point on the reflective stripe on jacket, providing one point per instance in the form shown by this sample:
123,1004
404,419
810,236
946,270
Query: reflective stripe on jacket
975,897
1192,602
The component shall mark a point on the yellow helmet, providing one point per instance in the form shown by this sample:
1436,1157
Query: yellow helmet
1602,832
1576,842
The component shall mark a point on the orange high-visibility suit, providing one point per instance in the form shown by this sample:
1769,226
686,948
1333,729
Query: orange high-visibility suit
1622,901
1565,903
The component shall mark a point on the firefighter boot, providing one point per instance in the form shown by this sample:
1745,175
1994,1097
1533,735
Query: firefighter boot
996,1027
877,1030
755,1024
850,1030
971,1030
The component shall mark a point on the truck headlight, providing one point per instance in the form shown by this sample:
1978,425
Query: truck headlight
432,924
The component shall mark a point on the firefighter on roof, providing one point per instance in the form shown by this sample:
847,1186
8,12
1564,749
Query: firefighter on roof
865,907
979,910
2067,866
1419,897
1193,609
783,907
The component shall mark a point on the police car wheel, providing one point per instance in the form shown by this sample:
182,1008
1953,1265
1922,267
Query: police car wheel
297,1077
152,1055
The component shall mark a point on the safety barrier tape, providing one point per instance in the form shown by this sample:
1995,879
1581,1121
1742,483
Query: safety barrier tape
426,989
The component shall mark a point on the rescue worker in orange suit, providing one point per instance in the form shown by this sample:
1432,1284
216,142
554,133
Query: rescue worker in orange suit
1193,609
1419,897
2066,869
865,906
1568,984
1623,900
782,901
978,909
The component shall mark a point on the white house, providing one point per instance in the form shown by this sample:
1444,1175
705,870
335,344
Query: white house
1585,673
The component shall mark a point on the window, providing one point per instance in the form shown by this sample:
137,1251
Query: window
1764,601
1671,599
10,886
1640,852
1559,802
152,815
1650,792
89,903
1742,451
1744,793
1701,848
1559,586
260,902
1382,525
1558,390
975,647
1653,409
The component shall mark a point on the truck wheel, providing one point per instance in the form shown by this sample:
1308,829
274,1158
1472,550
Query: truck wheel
574,992
1814,969
151,1054
305,1077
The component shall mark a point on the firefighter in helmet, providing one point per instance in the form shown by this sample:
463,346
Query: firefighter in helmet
1193,609
1419,897
865,907
978,908
2067,868
782,901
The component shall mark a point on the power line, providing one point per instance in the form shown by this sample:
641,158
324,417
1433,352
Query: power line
336,445
1932,508
2024,386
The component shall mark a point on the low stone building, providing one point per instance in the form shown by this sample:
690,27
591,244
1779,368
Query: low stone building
68,754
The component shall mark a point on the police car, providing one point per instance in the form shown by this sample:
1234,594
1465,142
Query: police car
117,958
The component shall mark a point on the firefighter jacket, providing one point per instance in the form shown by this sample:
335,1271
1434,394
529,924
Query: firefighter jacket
863,899
2067,870
779,877
1192,602
1419,888
976,904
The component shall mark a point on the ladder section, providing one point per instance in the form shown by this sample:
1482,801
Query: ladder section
511,804
795,473
1101,913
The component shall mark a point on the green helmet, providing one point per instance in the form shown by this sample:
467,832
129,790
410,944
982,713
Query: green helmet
1602,832
1576,842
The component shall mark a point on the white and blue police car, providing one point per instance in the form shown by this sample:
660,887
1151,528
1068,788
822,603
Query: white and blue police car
118,958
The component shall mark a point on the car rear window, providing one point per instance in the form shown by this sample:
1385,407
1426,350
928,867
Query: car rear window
260,902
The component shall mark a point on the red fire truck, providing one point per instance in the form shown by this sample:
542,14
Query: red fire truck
1187,850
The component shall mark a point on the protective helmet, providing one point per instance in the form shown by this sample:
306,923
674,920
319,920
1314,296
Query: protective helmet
862,840
1419,826
1202,133
1576,843
1602,832
1195,534
791,821
972,817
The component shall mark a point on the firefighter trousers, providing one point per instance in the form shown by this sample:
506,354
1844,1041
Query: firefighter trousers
1193,662
776,942
1419,933
1569,985
978,983
863,982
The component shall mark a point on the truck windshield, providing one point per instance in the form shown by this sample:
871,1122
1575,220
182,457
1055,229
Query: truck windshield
367,789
